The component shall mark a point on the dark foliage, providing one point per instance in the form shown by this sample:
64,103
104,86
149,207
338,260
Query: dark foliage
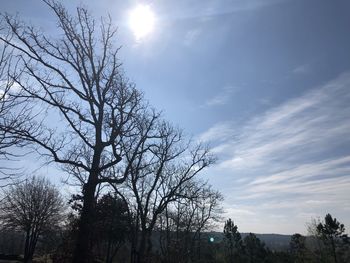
334,239
233,242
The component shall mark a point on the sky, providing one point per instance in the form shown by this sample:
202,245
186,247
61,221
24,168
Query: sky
265,82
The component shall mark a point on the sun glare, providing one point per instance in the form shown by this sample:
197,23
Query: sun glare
141,21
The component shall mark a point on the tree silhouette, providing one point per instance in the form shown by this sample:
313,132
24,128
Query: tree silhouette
233,241
254,249
7,104
81,111
332,233
33,206
182,223
84,114
298,247
111,225
159,175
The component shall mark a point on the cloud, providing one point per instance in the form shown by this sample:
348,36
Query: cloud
302,69
7,88
220,132
191,36
316,121
253,4
222,98
292,159
245,211
206,10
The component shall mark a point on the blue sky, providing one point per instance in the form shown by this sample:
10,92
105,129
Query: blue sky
266,83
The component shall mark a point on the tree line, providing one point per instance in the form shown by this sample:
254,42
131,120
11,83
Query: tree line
34,211
37,222
326,242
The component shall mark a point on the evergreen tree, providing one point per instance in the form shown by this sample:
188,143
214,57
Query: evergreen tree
254,249
233,241
298,247
111,224
333,236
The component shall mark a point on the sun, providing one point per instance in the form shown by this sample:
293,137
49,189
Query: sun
141,21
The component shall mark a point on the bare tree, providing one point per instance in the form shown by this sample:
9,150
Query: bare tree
318,250
183,222
7,104
80,107
159,175
5,84
32,206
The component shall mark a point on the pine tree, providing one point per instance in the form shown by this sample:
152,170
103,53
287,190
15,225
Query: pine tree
298,247
255,249
332,234
233,241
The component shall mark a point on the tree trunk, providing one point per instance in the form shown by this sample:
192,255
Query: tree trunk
168,240
145,246
333,250
142,249
109,246
134,238
149,246
199,247
27,258
108,257
82,247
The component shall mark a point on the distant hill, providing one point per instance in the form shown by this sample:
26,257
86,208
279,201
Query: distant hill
275,242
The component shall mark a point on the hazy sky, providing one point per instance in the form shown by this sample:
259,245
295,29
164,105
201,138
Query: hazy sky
266,82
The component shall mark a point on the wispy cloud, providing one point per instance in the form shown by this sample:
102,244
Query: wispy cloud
191,36
302,69
315,122
296,153
207,9
222,98
220,132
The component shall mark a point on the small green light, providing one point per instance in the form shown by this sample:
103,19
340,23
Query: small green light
211,239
